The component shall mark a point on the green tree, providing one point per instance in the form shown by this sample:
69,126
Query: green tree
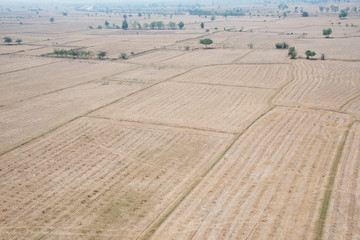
292,53
305,14
212,18
125,25
52,19
107,23
7,40
327,32
202,25
18,41
101,54
206,41
309,54
172,25
159,24
181,25
343,14
321,8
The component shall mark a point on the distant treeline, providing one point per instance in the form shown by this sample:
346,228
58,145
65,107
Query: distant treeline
201,12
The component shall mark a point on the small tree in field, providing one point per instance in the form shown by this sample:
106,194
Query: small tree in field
343,14
125,25
101,54
202,25
206,41
309,54
181,25
327,32
52,19
123,55
292,53
18,41
7,40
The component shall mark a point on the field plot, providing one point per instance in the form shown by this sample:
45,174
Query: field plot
272,56
15,63
154,57
34,82
222,108
349,50
266,76
205,57
24,120
6,49
99,178
268,185
146,74
344,210
321,84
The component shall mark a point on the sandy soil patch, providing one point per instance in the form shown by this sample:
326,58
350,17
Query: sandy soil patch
10,63
269,184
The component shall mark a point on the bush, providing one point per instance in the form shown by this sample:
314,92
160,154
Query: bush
206,41
282,45
187,48
292,53
305,14
322,56
101,54
309,54
18,41
327,32
122,55
251,46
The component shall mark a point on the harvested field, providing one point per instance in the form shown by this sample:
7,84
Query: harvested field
265,76
146,74
268,185
205,57
156,56
23,120
272,56
322,84
354,107
344,209
220,108
116,177
47,78
15,63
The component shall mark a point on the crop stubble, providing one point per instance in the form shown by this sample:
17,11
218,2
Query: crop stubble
269,184
96,177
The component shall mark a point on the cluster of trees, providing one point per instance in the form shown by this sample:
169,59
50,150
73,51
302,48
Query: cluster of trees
9,40
137,25
282,45
72,53
201,12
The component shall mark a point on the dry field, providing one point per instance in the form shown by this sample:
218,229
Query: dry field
229,142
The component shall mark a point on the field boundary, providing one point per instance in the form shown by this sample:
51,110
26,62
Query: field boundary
148,232
319,230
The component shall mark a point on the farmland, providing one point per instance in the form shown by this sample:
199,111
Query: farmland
162,137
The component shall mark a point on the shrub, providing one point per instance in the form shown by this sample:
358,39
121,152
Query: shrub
292,53
123,55
18,41
282,45
187,48
309,54
305,14
322,56
327,32
101,54
206,41
251,46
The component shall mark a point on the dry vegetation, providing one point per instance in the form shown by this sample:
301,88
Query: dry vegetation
174,140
